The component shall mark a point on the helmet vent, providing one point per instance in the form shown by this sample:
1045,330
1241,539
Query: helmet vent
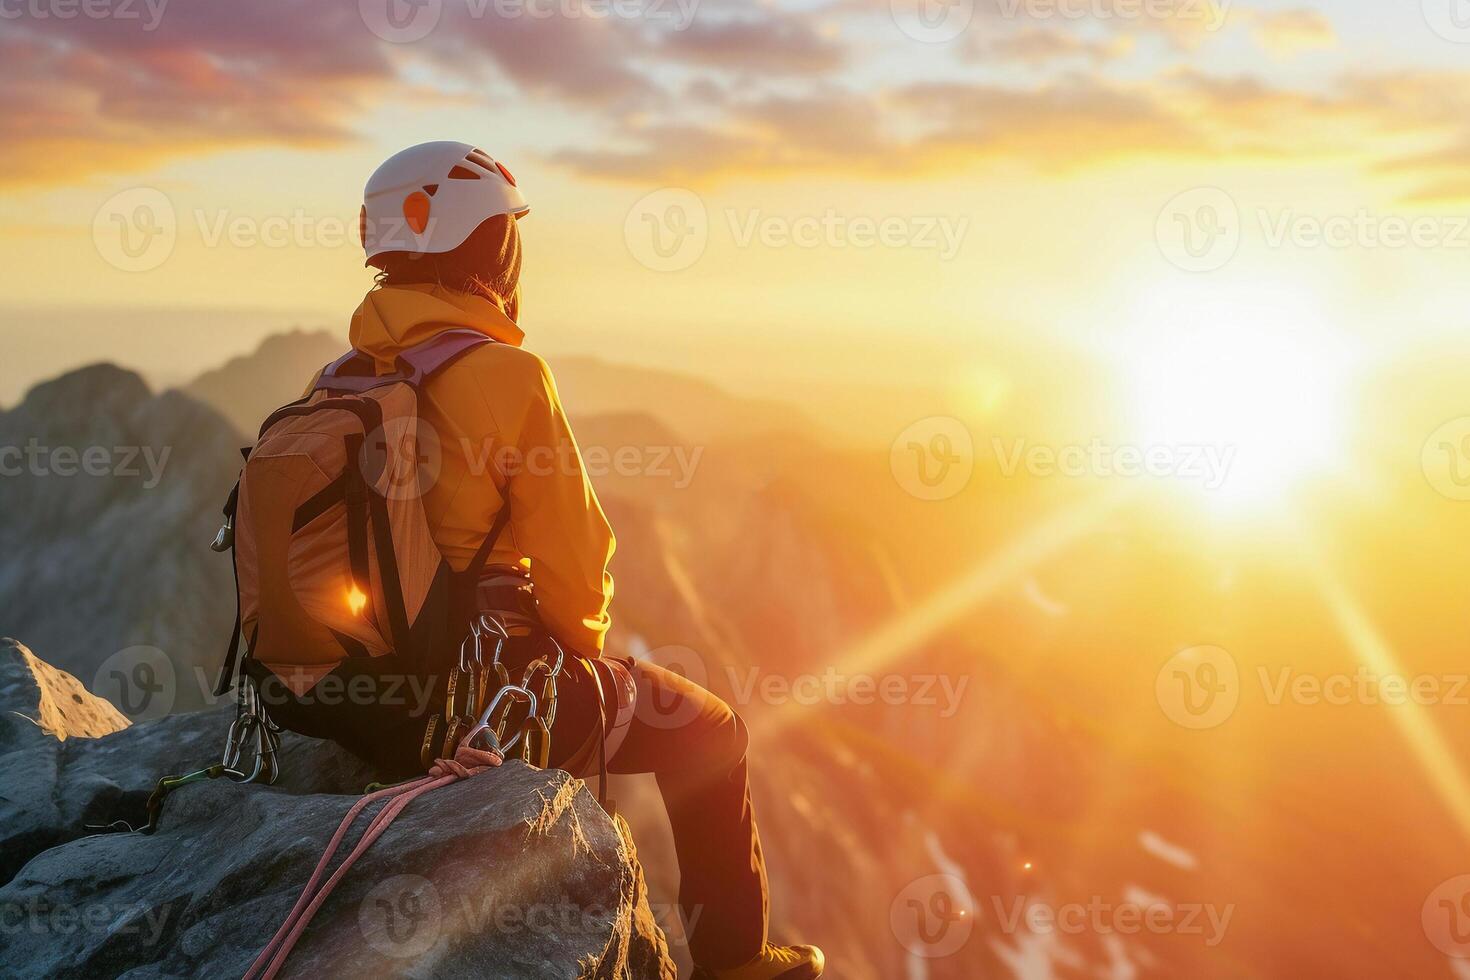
431,189
463,173
479,156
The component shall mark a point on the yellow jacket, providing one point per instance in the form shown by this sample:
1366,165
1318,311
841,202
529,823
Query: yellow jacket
501,429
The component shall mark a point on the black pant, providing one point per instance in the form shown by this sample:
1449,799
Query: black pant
695,745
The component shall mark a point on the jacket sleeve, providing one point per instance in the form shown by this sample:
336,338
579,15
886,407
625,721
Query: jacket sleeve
556,520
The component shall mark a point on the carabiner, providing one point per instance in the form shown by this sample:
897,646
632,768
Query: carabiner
483,725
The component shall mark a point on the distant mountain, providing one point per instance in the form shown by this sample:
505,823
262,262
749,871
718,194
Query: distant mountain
695,408
246,389
112,494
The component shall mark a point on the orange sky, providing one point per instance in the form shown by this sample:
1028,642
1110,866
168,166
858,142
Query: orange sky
811,196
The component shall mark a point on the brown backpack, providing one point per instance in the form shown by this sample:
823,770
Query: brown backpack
333,554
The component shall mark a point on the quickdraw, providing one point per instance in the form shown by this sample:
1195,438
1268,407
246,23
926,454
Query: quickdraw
251,724
483,705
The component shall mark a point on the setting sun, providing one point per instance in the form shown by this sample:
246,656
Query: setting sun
1259,378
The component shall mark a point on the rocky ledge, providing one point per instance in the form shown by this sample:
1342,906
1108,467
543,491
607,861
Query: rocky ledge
515,873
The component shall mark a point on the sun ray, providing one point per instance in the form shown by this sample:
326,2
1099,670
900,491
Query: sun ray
1425,740
1008,566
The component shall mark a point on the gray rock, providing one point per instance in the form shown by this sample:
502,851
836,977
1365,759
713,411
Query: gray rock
514,873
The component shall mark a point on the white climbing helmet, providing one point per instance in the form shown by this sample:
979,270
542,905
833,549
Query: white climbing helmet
428,198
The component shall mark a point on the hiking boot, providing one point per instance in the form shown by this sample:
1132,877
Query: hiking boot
773,963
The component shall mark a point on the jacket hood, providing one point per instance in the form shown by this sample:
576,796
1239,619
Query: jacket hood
392,318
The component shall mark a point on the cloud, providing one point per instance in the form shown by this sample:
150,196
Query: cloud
84,96
1081,120
1039,46
1288,33
740,90
767,44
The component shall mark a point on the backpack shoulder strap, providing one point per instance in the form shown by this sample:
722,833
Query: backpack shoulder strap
353,371
438,352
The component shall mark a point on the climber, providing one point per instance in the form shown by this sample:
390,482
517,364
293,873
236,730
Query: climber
503,494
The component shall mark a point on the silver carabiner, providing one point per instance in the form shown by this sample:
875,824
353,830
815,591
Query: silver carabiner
483,725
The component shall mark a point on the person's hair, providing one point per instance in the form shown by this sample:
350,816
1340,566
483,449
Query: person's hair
487,263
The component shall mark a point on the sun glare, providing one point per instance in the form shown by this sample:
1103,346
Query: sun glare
1258,382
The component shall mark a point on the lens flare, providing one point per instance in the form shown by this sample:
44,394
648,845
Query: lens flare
356,600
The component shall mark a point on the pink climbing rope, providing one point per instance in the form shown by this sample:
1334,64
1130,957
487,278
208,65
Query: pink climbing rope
466,763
